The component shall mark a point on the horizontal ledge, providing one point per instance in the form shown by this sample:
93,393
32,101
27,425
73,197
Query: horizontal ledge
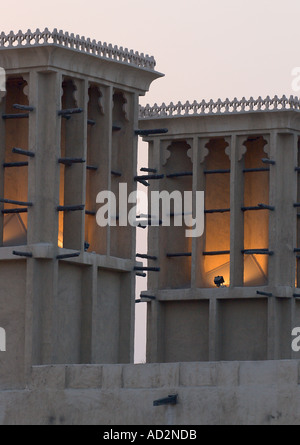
115,173
268,161
90,212
91,122
173,255
217,252
212,172
15,116
170,400
147,257
149,269
92,167
149,170
150,297
20,210
147,177
23,107
258,207
149,132
69,161
69,111
20,203
24,254
258,169
257,252
267,294
142,181
217,211
70,208
14,164
20,151
177,175
67,255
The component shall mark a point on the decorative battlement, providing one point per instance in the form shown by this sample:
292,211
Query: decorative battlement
77,43
220,107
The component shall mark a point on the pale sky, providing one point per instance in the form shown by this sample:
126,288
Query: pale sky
206,48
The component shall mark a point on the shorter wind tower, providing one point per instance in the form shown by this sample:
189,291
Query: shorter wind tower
233,293
68,126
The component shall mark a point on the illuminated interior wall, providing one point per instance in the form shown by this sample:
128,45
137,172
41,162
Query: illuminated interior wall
256,222
70,222
97,164
15,178
122,169
217,225
175,271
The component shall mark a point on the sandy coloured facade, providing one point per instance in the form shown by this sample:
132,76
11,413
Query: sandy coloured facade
69,130
245,156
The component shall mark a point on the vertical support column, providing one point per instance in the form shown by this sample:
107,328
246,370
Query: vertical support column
282,238
109,98
283,186
195,241
199,183
43,169
236,214
127,311
43,191
153,231
155,337
94,314
154,307
2,156
213,337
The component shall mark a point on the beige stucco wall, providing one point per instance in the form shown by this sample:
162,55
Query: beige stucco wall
263,393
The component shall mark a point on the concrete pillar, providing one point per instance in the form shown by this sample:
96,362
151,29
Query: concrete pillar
154,309
236,214
199,153
2,157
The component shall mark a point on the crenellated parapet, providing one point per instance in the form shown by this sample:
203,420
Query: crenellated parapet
218,107
77,43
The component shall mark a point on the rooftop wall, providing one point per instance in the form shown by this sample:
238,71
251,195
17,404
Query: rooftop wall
262,393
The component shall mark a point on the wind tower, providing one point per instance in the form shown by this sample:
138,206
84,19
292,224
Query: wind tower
232,293
68,124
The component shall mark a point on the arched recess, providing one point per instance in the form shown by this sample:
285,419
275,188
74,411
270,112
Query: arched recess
216,255
175,247
256,215
15,167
